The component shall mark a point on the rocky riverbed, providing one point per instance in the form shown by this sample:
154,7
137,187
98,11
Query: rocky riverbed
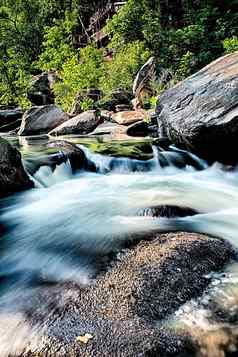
115,242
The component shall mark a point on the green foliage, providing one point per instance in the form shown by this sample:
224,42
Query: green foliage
22,24
91,71
39,35
86,104
135,21
79,75
185,66
231,44
57,45
14,80
121,71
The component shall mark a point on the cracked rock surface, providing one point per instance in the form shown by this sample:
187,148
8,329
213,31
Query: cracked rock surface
201,112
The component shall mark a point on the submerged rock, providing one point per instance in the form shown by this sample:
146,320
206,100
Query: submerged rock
13,177
40,120
74,154
167,211
125,310
83,123
201,112
64,151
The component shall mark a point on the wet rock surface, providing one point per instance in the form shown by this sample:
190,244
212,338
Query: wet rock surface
13,177
81,124
42,119
124,309
167,211
201,112
65,151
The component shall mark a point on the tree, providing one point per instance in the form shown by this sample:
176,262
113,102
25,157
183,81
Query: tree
171,13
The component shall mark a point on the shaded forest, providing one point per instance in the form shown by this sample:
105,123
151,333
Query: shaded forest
49,35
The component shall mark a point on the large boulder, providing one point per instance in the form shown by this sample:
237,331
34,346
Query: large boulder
41,120
124,311
13,177
40,91
81,124
144,76
201,112
149,73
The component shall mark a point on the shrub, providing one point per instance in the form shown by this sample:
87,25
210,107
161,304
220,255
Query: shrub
78,75
230,44
121,71
57,44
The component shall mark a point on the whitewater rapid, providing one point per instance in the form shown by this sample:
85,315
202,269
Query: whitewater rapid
69,220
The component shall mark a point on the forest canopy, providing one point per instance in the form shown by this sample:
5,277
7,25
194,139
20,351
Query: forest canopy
43,35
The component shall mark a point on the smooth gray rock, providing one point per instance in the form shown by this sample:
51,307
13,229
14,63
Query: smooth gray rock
13,177
42,119
201,112
81,124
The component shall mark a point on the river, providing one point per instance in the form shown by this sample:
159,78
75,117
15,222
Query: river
57,231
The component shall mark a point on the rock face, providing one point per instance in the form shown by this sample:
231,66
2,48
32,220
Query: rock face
41,120
81,124
40,92
142,86
13,177
122,312
144,76
128,117
201,113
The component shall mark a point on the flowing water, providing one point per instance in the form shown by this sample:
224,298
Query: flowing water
59,230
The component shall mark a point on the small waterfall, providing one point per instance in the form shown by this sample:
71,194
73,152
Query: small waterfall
45,177
105,164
